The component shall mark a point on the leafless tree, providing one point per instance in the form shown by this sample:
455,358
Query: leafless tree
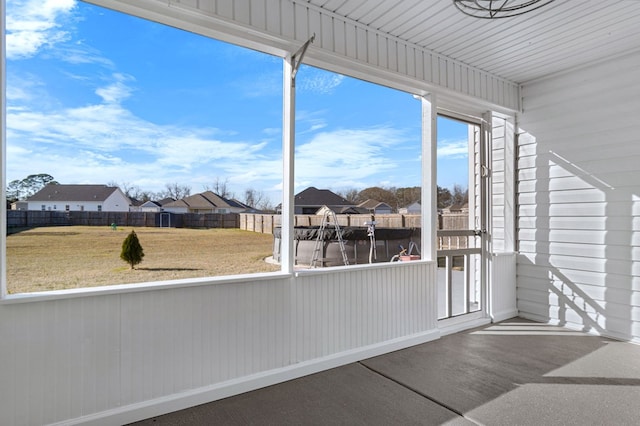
350,194
459,195
175,191
129,189
220,187
254,198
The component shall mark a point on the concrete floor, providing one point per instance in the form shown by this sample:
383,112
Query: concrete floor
513,373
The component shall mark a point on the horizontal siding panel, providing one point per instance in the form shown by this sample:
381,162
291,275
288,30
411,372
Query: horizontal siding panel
578,215
538,276
586,195
581,237
584,224
596,251
561,263
562,301
610,209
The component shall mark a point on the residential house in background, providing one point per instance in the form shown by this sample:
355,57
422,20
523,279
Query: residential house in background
414,208
150,207
205,202
95,198
376,207
312,199
456,209
19,205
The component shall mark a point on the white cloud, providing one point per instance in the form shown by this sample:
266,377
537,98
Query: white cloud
355,155
453,149
116,91
34,24
103,142
318,81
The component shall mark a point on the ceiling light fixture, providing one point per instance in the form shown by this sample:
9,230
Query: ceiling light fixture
494,9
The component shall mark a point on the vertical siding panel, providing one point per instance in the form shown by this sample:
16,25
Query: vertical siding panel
225,9
372,48
392,55
315,27
477,83
102,336
274,19
426,66
110,351
242,11
339,34
190,3
327,32
471,81
35,364
8,376
198,338
217,327
301,21
413,68
287,17
383,59
404,66
362,47
207,6
351,41
443,72
435,70
258,13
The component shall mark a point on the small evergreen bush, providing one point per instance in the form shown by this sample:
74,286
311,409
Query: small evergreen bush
132,252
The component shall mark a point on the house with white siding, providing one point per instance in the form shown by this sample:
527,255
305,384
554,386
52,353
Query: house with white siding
70,198
551,100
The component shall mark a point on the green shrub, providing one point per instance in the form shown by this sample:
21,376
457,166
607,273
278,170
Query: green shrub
132,252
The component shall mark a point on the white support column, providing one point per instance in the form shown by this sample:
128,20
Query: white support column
510,161
288,149
429,178
3,153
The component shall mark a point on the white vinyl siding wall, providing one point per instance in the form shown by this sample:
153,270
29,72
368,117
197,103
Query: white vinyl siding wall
579,199
502,186
502,259
116,202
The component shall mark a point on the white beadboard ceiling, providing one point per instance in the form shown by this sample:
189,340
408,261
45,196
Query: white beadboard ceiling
560,36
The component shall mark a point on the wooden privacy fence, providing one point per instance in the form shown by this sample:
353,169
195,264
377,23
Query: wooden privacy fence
266,223
263,223
35,218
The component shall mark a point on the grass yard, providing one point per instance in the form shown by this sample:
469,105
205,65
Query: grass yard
53,258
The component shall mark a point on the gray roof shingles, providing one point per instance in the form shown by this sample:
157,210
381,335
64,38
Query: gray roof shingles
73,193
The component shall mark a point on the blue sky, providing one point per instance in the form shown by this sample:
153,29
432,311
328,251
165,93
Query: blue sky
95,96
